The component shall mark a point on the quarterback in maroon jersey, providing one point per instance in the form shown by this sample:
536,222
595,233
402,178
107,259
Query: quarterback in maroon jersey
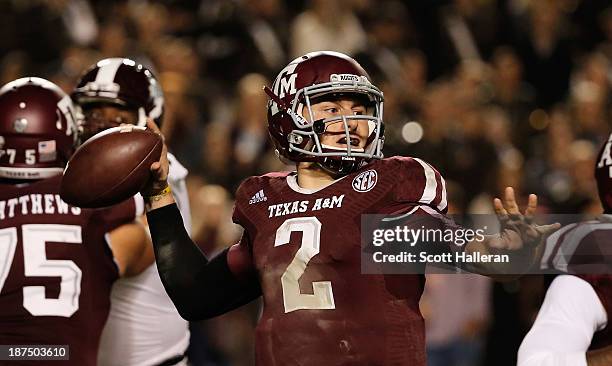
56,265
301,247
575,316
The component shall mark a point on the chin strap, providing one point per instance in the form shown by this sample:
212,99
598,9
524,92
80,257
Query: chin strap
339,167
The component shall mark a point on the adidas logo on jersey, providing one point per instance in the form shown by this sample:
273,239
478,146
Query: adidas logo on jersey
258,197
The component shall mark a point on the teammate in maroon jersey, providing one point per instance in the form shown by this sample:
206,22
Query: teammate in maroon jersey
301,247
56,266
572,327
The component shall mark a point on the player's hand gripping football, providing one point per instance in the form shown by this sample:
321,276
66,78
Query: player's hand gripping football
518,230
159,170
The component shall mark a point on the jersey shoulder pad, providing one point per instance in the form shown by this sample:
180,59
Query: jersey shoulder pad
417,182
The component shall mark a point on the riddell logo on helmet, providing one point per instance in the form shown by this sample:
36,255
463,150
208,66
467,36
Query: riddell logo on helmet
348,77
365,181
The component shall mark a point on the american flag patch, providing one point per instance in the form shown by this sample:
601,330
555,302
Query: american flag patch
47,151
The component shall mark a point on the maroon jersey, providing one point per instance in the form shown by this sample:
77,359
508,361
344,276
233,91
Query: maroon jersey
56,269
581,248
306,248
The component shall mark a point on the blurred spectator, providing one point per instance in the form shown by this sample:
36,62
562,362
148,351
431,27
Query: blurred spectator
605,22
250,136
327,25
14,65
37,28
183,117
213,229
514,95
414,78
216,153
114,41
471,28
79,20
240,37
545,50
389,33
456,312
590,98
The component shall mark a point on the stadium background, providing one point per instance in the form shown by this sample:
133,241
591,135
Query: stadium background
492,93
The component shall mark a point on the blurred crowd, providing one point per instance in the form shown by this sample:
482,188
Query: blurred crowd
491,92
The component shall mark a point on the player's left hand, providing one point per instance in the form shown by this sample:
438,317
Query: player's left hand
518,230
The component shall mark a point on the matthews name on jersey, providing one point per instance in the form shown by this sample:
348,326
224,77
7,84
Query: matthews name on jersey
56,269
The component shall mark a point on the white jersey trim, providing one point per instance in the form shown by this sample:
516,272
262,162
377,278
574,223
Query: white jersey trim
551,244
429,193
387,219
293,184
443,202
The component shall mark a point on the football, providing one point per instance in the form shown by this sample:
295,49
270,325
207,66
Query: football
110,167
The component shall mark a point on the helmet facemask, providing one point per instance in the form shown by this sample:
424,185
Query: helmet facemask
97,116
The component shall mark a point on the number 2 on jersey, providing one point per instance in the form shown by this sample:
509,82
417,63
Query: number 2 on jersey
323,296
36,264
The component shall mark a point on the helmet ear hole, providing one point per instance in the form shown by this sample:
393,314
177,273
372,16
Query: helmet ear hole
294,138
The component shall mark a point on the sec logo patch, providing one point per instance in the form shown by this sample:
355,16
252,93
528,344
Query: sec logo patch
365,181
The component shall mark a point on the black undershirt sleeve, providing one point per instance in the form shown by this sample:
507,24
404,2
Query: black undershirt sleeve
198,287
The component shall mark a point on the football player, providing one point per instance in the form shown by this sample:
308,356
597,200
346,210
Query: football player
56,265
143,326
301,247
572,327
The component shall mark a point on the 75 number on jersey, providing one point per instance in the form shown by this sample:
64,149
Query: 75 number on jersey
36,264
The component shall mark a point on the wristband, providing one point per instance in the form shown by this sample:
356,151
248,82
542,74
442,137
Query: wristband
158,196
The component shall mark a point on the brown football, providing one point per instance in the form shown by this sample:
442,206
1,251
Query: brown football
110,167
